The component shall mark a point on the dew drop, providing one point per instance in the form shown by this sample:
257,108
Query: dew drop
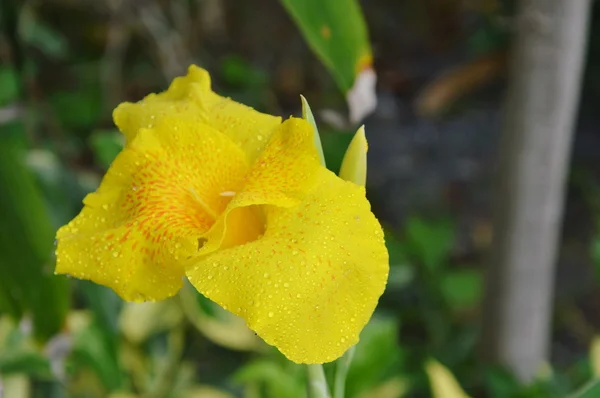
271,314
286,285
209,277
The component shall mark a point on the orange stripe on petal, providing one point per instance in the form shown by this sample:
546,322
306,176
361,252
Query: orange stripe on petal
146,209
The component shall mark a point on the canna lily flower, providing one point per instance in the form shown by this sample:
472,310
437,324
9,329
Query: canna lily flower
238,202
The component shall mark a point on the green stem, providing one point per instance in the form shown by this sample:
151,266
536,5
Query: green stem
317,384
341,371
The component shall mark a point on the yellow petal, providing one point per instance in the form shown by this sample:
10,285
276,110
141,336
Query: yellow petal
282,175
310,284
190,96
162,193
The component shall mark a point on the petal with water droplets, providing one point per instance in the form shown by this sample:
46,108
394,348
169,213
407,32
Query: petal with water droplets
190,96
310,284
158,198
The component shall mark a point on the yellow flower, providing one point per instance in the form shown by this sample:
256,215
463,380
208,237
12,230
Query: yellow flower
237,202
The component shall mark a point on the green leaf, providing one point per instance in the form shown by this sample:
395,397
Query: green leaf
336,32
462,288
106,145
25,361
430,243
591,390
104,303
26,235
375,355
279,382
96,349
334,148
79,109
595,249
9,85
238,72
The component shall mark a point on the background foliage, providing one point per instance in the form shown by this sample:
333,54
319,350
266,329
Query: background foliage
65,64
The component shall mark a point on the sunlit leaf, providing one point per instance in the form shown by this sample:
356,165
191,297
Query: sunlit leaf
595,356
139,320
443,383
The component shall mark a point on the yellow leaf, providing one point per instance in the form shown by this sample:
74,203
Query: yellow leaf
354,165
443,384
394,388
595,356
206,392
138,321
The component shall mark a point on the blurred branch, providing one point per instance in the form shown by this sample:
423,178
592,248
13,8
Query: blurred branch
541,108
119,35
171,50
166,378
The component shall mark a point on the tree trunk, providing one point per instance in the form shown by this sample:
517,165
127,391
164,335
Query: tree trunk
541,107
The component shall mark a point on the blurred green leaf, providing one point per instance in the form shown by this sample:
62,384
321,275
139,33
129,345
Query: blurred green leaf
216,324
279,382
106,145
334,148
9,85
26,236
430,243
396,249
336,32
79,109
375,357
104,303
26,362
595,249
591,390
501,384
96,349
462,288
238,72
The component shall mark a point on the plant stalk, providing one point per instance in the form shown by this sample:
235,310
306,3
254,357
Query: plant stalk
317,384
341,371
